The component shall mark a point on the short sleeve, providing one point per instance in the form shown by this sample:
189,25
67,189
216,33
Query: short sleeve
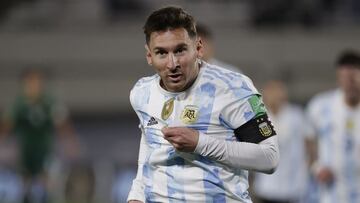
243,104
311,117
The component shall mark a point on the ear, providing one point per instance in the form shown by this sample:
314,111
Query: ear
148,55
199,48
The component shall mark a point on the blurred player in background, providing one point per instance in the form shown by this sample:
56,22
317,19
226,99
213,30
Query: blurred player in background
288,183
34,118
335,119
203,127
208,51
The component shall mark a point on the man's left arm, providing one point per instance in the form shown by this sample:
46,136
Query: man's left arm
256,146
262,156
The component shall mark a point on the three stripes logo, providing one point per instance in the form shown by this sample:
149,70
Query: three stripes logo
152,121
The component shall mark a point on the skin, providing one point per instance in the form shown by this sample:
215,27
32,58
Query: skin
208,50
174,55
33,86
275,95
348,78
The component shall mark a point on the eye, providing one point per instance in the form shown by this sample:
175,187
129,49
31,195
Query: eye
180,50
160,52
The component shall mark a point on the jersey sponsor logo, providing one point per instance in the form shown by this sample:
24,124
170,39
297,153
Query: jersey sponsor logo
257,105
152,121
167,109
190,114
265,129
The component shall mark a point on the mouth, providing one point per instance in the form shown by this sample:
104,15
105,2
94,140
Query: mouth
175,77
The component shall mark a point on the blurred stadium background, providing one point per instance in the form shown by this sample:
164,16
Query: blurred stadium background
93,51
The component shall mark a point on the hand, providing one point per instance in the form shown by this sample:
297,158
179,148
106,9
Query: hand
325,176
182,138
135,201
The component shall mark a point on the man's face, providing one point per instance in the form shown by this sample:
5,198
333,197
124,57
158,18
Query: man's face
33,85
349,81
174,55
274,94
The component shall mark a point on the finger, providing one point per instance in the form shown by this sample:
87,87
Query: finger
166,131
170,139
178,146
168,135
170,132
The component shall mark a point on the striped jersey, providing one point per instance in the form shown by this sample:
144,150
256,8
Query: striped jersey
218,102
337,129
290,176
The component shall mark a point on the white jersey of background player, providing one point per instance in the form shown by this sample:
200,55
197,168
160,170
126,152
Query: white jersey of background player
289,182
202,126
335,118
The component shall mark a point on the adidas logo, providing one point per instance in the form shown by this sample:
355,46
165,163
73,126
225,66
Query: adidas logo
152,121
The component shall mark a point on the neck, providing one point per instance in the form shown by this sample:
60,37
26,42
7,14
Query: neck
352,102
274,109
196,74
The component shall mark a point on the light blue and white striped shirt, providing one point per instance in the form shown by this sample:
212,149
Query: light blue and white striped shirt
219,98
337,129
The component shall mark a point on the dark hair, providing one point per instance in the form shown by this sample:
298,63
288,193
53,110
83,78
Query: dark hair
348,57
204,31
170,17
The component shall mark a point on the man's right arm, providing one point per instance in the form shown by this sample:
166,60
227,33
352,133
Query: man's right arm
136,194
319,168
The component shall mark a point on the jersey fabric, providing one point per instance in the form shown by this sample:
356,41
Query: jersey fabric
218,102
337,129
289,180
34,124
224,65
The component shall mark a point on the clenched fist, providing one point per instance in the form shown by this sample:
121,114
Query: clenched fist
182,138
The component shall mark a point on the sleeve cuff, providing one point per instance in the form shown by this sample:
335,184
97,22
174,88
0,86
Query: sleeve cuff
201,145
136,192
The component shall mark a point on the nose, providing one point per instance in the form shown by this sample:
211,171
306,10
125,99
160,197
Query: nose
172,61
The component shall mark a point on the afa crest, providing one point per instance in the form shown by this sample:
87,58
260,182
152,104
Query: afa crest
265,129
190,114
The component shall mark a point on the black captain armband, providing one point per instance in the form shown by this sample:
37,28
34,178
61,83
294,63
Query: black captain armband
255,130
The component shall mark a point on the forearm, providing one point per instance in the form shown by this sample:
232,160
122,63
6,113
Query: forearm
262,157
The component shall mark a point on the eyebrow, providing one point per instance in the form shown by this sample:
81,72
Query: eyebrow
181,45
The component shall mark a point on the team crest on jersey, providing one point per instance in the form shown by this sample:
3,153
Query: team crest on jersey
190,114
265,129
167,109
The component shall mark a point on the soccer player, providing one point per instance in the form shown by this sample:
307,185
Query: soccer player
207,39
291,175
203,127
33,117
335,119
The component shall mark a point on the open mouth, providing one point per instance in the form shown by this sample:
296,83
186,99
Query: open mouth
175,77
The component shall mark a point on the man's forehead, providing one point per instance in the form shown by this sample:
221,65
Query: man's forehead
170,37
349,66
